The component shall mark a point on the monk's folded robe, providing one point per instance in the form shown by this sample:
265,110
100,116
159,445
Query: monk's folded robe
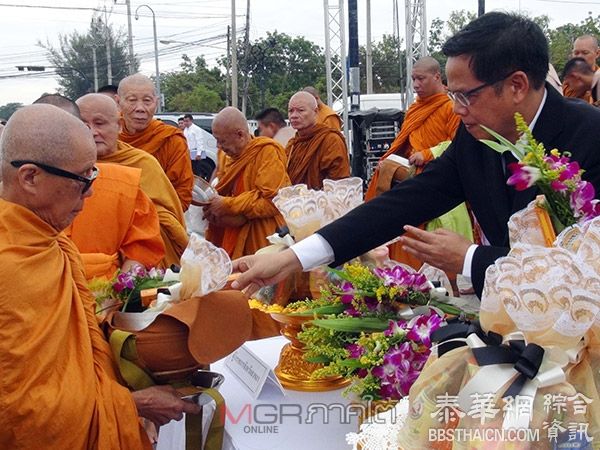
58,388
157,186
320,155
118,222
329,117
248,184
169,146
428,122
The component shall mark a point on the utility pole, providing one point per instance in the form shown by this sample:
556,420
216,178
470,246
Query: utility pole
353,55
227,78
246,58
108,50
369,51
158,93
481,8
95,61
130,38
234,80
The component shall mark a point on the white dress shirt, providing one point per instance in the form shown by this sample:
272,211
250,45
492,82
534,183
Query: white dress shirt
195,141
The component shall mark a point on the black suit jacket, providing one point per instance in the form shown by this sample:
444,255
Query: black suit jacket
469,171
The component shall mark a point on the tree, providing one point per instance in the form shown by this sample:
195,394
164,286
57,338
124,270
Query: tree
73,57
276,67
388,61
194,88
8,110
561,39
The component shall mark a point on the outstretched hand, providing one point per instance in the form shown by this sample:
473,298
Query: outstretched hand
441,248
161,404
264,270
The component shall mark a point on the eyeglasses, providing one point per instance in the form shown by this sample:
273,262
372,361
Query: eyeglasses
462,98
87,182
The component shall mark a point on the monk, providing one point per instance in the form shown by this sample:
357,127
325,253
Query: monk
582,79
585,47
138,102
429,121
128,220
118,227
316,152
59,383
243,214
101,114
325,114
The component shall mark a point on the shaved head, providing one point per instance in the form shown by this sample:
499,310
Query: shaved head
230,129
98,102
137,79
60,101
101,114
302,111
428,64
312,91
586,47
138,102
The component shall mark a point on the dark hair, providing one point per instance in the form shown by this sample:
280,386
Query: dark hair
578,65
271,115
188,116
499,44
180,119
111,88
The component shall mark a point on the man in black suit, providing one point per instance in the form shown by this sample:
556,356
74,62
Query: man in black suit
496,67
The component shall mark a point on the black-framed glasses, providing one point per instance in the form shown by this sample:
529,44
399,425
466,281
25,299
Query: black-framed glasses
462,98
87,182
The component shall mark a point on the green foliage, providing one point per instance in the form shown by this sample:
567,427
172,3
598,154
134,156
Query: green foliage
75,52
561,39
194,88
8,110
388,61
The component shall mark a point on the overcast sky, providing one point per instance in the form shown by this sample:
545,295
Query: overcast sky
190,20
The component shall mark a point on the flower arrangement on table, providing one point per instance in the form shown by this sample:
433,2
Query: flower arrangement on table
569,198
364,328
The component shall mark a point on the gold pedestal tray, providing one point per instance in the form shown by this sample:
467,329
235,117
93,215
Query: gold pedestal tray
293,371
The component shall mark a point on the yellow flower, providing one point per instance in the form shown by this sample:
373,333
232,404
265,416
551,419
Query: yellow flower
555,152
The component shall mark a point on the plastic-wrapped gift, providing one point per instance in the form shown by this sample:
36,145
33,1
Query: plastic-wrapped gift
527,376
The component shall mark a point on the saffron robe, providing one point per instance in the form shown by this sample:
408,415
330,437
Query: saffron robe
118,222
587,96
329,117
248,184
157,186
59,386
320,154
428,122
169,146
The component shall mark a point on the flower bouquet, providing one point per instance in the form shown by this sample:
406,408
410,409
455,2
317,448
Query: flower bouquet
568,199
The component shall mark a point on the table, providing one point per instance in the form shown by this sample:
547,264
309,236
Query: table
296,421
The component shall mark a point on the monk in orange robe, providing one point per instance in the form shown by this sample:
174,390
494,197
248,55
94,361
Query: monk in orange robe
585,47
325,114
243,214
60,387
428,121
100,113
167,144
118,227
316,152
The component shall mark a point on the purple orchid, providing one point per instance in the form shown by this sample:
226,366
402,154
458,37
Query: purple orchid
399,276
396,328
523,176
355,351
124,281
582,196
423,327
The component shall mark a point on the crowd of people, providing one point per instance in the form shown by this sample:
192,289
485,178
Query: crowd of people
98,184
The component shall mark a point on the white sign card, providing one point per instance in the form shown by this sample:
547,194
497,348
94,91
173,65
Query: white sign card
252,372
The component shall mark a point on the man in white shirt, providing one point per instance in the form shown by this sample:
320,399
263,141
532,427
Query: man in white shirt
193,134
496,67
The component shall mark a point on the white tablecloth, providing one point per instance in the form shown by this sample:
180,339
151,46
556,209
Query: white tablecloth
296,421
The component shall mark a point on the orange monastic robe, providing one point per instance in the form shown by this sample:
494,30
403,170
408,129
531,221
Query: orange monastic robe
117,222
587,96
249,184
59,386
169,146
328,117
320,155
428,122
156,185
